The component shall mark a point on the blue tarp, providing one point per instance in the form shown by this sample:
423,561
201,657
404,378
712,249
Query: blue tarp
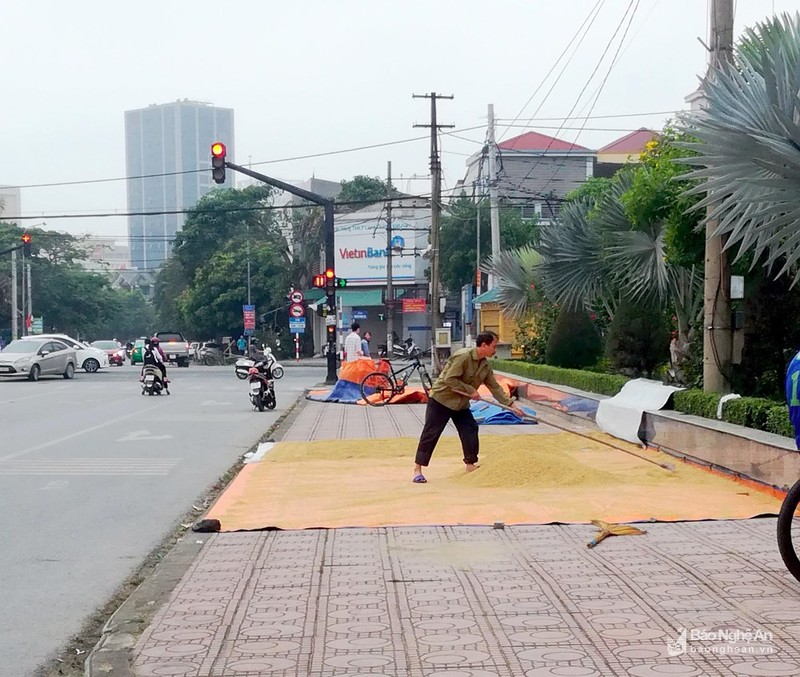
345,392
491,414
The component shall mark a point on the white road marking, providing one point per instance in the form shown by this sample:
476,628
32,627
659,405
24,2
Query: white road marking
77,433
141,435
88,466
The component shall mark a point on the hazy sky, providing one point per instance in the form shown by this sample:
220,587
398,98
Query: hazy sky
306,77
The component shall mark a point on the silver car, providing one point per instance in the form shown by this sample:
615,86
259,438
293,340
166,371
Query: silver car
31,358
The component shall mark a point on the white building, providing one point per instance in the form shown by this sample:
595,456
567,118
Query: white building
10,203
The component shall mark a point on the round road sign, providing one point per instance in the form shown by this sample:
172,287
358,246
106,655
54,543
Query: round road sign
297,297
296,310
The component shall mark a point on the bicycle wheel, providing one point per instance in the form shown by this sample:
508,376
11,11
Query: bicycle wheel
377,389
427,383
789,531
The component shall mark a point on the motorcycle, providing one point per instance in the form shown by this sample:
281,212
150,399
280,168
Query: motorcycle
403,351
243,365
262,389
151,381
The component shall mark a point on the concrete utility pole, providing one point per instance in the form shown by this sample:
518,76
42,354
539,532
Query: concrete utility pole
717,331
389,285
30,297
23,331
494,209
436,206
14,301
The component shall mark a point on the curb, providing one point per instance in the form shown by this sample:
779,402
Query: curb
113,654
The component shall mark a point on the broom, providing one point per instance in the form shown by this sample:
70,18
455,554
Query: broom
607,530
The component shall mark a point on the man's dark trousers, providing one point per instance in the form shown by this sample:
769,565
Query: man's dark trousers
436,418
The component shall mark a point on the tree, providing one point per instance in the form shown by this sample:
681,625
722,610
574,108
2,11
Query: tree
574,342
458,238
748,145
363,189
202,287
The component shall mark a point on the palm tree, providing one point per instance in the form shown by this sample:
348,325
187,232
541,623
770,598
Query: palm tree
749,144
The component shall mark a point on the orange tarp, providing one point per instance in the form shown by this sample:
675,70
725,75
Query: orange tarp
539,477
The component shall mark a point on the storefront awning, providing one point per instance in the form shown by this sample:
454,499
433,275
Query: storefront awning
356,298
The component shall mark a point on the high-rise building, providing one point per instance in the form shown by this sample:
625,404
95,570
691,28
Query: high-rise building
168,160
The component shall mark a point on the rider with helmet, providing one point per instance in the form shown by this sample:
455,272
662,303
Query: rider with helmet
153,355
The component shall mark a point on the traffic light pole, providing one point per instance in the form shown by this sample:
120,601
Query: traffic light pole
329,246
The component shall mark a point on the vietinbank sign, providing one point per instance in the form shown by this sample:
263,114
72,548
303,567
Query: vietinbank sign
360,248
370,253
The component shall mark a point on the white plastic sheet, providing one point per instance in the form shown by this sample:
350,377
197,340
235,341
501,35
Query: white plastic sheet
621,415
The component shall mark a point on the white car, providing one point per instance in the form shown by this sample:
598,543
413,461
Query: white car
90,359
32,358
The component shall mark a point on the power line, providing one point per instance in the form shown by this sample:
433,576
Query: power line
603,82
583,89
553,67
263,162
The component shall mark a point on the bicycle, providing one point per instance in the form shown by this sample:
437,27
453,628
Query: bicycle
789,530
379,388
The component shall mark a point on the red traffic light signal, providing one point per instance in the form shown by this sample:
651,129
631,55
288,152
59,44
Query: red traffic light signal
330,274
26,244
331,332
318,281
218,154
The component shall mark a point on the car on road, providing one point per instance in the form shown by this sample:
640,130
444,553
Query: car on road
137,354
175,347
89,359
34,357
115,352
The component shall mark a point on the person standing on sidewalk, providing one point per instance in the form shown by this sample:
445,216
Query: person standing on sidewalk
465,371
352,343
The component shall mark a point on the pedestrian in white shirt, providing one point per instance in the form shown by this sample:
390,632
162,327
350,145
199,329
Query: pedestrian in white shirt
352,343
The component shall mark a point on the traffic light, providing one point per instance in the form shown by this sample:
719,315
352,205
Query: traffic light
331,331
319,281
218,153
341,282
26,244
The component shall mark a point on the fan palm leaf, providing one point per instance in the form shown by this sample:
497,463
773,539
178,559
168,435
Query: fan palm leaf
574,271
748,162
519,276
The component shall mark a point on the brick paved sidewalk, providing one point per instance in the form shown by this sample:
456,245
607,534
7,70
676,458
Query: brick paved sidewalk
478,602
473,601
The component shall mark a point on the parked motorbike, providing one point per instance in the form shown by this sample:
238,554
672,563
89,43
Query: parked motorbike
152,384
243,365
262,389
402,351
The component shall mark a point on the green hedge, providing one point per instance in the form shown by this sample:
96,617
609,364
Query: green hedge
590,381
751,412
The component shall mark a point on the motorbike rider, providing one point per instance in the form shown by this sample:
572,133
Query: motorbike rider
153,355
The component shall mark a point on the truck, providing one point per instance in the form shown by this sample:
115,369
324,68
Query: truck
175,347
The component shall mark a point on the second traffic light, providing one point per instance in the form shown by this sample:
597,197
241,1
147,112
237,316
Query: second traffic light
26,244
328,280
218,154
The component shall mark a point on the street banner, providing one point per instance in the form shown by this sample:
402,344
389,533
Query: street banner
249,313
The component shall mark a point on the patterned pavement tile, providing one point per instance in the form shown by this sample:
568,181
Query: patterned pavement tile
480,602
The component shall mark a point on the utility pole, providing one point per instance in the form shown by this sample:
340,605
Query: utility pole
436,206
717,334
14,301
494,209
30,297
389,285
22,290
478,246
